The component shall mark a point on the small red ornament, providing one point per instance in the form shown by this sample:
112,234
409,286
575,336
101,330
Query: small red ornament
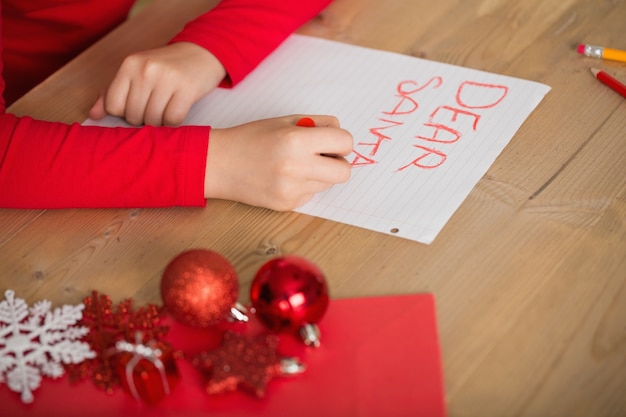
246,362
146,371
108,324
199,287
289,293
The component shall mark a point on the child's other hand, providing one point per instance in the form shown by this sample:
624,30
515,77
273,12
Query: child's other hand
275,164
159,86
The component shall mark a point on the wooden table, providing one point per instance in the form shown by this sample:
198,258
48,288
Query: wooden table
530,273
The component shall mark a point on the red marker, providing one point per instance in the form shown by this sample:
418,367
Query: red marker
609,81
306,122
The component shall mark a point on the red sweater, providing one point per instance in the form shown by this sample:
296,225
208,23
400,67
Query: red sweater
54,165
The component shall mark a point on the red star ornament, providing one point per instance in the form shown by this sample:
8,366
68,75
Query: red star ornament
245,362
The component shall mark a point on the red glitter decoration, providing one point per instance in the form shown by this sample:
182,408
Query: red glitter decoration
109,324
246,362
289,292
199,287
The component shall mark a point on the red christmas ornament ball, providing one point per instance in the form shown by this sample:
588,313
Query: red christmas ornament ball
199,287
289,292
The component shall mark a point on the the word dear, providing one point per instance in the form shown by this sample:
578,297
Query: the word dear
446,123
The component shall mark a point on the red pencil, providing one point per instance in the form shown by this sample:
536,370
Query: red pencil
606,79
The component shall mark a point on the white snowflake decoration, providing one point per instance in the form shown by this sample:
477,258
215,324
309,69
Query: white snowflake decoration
34,342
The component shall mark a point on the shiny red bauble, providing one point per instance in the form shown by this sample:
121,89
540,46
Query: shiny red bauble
289,292
199,287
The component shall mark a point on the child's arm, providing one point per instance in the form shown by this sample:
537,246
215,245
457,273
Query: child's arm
269,163
221,46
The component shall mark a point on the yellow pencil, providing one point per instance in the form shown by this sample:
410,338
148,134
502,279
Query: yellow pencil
602,52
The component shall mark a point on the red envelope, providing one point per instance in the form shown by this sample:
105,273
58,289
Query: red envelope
379,356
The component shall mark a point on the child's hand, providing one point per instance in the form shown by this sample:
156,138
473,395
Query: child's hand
275,164
159,86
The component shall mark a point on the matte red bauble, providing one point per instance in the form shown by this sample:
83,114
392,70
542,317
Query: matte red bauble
199,287
288,293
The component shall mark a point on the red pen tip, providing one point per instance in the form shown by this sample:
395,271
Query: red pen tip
581,49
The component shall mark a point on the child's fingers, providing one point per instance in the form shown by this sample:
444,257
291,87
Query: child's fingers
329,141
177,109
97,111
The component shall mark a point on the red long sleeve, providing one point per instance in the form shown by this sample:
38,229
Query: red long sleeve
40,36
55,165
241,33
